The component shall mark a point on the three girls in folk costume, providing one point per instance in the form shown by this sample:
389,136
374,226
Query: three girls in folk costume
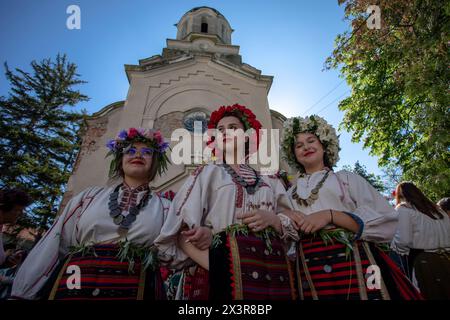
224,225
422,240
340,218
105,234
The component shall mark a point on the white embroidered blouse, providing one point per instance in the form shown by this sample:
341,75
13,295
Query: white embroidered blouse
348,192
86,221
418,231
211,198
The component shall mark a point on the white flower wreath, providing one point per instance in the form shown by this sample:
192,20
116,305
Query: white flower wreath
315,125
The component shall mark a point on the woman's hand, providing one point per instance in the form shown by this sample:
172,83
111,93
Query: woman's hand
314,222
15,258
200,256
200,237
260,219
296,217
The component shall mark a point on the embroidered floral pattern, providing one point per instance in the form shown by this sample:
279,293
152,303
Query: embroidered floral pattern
196,173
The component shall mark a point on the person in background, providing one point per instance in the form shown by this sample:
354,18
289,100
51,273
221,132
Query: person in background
423,238
7,274
12,204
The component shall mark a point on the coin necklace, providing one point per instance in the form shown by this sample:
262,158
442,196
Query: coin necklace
313,196
251,189
115,211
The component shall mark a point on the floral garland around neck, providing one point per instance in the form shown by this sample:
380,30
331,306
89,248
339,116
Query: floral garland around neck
313,196
115,212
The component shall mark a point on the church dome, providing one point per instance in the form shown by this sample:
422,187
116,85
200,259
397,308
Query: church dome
204,21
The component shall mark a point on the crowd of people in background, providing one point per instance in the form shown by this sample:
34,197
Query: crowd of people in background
421,239
209,250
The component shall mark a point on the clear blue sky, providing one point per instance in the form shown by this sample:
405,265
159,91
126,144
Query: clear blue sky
289,40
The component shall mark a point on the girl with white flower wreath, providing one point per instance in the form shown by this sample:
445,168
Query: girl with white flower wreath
339,217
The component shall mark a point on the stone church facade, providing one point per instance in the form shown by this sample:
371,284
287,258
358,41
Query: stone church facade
196,73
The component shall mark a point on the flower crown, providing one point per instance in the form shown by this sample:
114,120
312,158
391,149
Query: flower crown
315,125
244,114
150,137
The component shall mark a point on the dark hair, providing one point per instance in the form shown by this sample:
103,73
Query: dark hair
411,194
326,161
9,198
444,203
119,173
10,246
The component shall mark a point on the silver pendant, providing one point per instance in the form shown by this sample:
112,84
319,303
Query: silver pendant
118,220
130,218
134,211
115,212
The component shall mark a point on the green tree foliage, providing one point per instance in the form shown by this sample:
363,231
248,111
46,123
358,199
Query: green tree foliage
399,106
372,178
40,134
392,176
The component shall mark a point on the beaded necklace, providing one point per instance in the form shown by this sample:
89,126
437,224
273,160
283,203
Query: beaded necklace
251,188
313,196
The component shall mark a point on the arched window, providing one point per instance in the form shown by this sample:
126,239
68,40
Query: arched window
183,30
204,26
195,115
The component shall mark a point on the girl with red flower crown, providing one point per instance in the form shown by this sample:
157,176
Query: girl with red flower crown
225,225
